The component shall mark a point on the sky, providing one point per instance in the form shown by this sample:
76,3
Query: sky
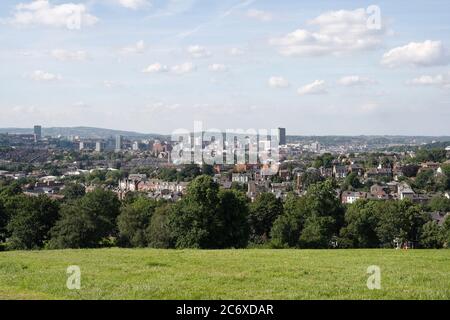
154,66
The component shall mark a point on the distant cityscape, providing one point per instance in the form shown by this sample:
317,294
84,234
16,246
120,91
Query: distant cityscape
143,164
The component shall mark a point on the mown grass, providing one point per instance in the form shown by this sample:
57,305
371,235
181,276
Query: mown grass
228,274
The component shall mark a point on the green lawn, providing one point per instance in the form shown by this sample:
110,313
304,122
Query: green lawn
228,274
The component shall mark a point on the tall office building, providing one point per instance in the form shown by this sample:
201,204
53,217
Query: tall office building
37,132
281,136
99,146
119,139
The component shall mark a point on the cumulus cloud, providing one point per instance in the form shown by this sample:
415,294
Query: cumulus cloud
133,4
41,12
40,75
236,52
278,82
183,68
420,54
139,47
217,67
317,87
349,81
259,15
197,51
179,69
439,80
64,55
156,68
336,32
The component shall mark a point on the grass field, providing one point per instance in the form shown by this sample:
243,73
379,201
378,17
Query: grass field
229,274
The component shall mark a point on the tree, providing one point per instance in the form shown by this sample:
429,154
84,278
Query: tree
31,222
3,221
361,221
446,232
232,229
73,191
287,227
189,172
352,182
208,169
425,180
133,221
325,160
158,232
434,155
310,221
310,177
87,221
263,212
410,170
440,204
399,220
431,236
317,232
196,215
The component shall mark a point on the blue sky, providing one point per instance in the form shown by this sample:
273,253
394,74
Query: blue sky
154,66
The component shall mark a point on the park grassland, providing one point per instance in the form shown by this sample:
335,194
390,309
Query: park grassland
226,274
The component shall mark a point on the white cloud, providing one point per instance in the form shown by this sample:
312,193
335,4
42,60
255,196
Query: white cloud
419,54
139,47
156,68
217,67
278,82
236,52
259,15
133,4
349,81
40,75
337,32
41,12
183,68
64,55
439,80
176,69
317,87
198,52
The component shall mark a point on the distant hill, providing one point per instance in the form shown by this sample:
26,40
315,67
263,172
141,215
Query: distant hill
84,132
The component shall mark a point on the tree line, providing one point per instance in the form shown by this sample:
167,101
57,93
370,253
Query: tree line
209,217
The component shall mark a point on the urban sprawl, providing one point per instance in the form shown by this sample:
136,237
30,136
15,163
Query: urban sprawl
370,191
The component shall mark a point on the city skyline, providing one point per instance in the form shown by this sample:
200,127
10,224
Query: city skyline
155,66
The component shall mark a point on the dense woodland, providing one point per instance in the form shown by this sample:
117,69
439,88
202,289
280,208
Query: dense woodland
212,217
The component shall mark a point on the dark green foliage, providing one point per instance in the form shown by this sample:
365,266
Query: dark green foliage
88,221
439,204
425,181
209,218
361,221
233,229
158,231
310,177
431,236
73,191
311,221
325,160
263,212
352,182
133,221
29,225
434,155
